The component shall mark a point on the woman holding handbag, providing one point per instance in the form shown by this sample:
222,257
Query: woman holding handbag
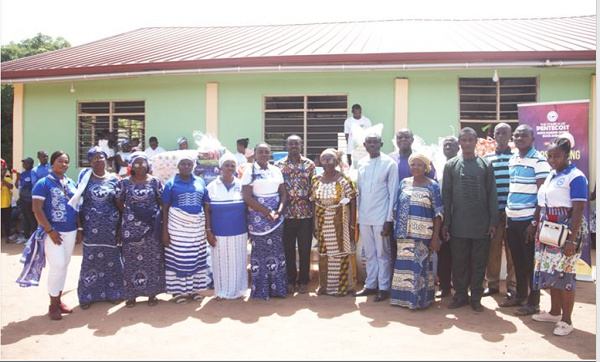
561,199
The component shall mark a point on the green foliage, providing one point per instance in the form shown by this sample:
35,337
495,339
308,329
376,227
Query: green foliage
38,44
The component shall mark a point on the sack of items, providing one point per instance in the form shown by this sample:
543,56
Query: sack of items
553,234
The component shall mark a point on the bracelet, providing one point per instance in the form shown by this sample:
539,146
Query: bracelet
49,231
208,229
79,229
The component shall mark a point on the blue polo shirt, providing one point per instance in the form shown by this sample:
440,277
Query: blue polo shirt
523,190
26,185
49,189
187,196
40,171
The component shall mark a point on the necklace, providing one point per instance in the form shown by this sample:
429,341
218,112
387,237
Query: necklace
101,177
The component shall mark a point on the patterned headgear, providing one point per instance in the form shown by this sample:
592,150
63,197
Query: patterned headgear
96,149
422,157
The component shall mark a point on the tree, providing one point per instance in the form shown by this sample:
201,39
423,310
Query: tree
38,44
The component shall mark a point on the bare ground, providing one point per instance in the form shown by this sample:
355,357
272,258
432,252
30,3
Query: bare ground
299,327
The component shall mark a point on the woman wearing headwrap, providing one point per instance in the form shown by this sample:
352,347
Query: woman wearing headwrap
227,232
418,216
101,276
139,199
182,143
184,235
265,195
334,197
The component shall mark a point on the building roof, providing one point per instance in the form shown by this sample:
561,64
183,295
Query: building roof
343,43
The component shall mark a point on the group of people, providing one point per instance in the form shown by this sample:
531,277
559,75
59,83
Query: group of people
417,227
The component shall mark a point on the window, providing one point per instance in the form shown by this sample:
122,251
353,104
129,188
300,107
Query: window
485,103
125,119
318,119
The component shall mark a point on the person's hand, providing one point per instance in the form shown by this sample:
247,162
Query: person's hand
569,249
446,232
79,237
211,238
55,236
492,231
435,244
166,240
387,229
530,233
274,215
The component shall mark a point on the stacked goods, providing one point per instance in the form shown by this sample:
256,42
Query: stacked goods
209,152
164,165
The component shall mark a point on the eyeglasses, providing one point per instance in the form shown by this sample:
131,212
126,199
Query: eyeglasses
138,165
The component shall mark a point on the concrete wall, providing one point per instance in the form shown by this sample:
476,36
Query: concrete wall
176,105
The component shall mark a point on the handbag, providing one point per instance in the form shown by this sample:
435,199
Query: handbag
553,234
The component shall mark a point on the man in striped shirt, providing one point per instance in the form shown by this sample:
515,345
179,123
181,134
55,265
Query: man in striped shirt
528,169
499,161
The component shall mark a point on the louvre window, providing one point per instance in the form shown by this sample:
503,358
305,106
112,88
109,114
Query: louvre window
318,119
124,119
485,103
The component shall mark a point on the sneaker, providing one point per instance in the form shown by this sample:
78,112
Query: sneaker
21,240
13,237
563,329
543,316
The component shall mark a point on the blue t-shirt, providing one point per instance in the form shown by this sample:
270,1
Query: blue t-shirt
40,171
228,216
51,190
187,196
26,185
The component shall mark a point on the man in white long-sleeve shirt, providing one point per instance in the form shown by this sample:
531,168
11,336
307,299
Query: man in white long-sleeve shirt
377,188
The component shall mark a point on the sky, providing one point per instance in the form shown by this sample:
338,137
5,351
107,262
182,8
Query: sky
83,21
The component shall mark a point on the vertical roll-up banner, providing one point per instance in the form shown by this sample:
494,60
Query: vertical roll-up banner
550,120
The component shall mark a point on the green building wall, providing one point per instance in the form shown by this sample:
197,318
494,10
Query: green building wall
175,105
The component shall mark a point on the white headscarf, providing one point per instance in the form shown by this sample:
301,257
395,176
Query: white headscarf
227,156
191,155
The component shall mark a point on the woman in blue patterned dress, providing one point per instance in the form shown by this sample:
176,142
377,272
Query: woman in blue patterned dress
264,193
139,199
417,221
184,234
561,199
101,276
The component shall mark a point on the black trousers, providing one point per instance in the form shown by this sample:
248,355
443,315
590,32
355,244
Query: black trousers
444,266
478,251
6,221
522,253
297,231
28,221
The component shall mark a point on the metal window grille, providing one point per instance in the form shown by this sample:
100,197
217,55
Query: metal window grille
485,103
122,119
318,119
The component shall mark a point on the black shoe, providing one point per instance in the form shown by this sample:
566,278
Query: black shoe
457,303
365,291
490,291
382,295
443,293
477,307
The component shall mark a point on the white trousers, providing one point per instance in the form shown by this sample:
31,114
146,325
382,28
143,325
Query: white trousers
58,257
377,252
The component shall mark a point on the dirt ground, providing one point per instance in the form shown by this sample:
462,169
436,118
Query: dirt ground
300,327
